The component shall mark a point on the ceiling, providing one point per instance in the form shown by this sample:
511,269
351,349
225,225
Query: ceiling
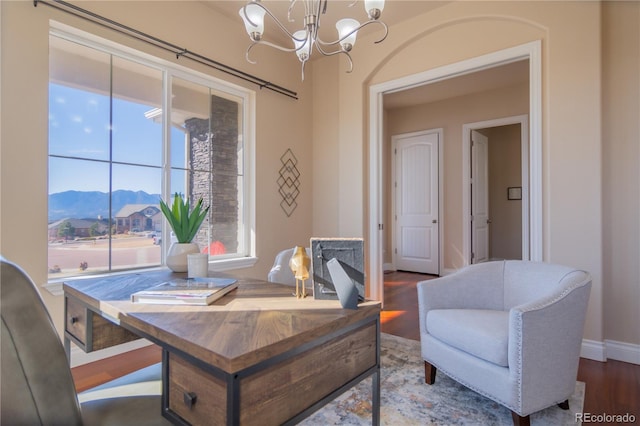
395,12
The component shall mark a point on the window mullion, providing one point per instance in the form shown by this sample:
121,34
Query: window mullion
166,156
111,212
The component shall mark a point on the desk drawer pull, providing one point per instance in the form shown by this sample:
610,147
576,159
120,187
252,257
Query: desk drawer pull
190,399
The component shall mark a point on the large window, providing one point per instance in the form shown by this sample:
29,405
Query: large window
114,152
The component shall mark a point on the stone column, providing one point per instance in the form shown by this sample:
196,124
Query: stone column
214,171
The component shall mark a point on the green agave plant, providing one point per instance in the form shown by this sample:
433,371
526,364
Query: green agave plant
185,224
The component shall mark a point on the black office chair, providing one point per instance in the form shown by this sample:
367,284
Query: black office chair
37,387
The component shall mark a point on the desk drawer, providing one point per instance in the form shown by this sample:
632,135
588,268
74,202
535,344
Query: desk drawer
281,391
89,330
195,395
76,319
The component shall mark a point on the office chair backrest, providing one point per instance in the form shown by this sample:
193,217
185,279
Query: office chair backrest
37,386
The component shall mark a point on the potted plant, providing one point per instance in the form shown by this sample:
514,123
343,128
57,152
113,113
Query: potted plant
185,223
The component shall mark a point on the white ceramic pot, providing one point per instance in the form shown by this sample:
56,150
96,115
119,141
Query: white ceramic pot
177,255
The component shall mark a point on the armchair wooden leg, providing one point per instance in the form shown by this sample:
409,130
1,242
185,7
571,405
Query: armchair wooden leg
429,373
518,420
564,405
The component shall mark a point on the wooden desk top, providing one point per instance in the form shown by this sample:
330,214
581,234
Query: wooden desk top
253,323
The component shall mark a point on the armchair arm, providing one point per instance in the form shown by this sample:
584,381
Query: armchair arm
548,334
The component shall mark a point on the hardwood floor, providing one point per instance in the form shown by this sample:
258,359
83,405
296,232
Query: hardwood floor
96,373
612,387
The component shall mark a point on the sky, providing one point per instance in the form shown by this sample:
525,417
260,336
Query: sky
79,124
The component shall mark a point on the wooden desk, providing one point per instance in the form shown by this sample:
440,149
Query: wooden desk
256,356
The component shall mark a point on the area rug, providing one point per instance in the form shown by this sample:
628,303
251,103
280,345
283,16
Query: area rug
407,400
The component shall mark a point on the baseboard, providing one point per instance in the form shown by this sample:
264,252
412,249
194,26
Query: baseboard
388,267
593,349
79,357
622,351
610,349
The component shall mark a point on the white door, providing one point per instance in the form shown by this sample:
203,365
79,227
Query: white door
416,232
479,198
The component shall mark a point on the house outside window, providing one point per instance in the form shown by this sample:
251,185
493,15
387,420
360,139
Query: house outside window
113,153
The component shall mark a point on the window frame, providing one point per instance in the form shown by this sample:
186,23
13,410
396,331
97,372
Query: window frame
171,70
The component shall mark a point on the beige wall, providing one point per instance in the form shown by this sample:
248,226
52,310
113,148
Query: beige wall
621,170
505,170
325,149
449,115
190,24
571,74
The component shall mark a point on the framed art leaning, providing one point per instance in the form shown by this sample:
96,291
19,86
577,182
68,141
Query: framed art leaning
349,252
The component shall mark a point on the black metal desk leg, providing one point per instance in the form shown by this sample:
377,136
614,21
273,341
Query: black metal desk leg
67,349
375,398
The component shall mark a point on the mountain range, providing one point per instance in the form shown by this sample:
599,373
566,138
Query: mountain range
91,204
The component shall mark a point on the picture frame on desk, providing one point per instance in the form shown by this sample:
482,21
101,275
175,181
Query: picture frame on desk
349,252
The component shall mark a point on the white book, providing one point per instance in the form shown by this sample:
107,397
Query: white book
188,291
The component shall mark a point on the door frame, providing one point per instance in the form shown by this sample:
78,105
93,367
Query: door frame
531,51
523,120
394,138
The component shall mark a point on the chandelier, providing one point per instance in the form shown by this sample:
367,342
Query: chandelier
305,39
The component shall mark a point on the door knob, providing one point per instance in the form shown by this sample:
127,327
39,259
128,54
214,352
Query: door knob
488,220
434,221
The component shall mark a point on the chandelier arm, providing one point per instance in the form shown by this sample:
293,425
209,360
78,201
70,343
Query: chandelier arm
386,32
325,53
336,52
350,61
348,58
246,54
291,4
276,20
275,46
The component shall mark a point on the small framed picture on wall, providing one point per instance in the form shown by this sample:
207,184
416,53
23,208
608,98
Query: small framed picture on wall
514,193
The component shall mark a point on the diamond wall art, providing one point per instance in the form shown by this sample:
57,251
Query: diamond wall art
288,182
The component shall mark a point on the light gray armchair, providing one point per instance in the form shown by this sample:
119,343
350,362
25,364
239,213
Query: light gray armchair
37,386
509,330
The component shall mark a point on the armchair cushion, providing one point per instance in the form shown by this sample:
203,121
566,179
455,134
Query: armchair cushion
480,332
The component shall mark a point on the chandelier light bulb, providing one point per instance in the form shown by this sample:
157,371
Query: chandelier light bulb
303,48
374,8
347,28
255,24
